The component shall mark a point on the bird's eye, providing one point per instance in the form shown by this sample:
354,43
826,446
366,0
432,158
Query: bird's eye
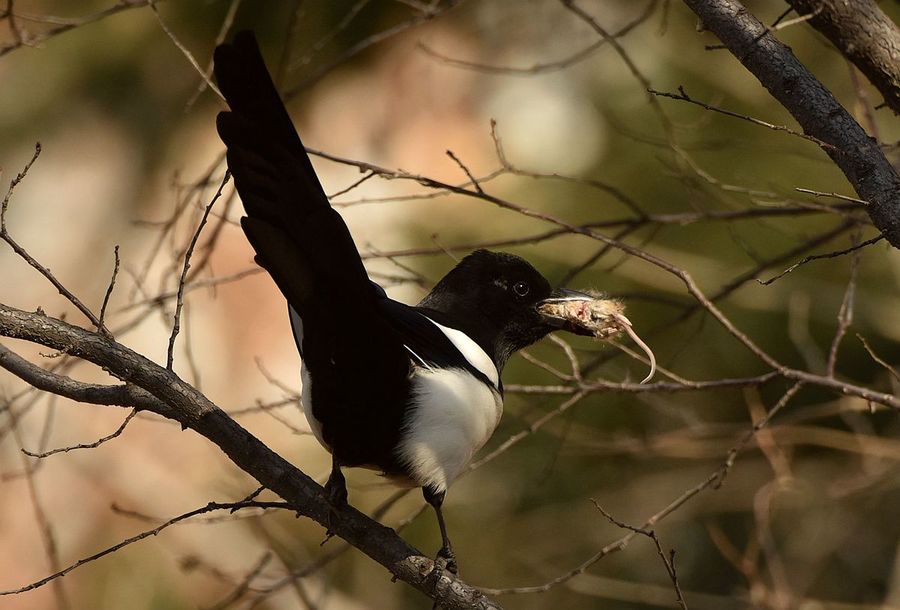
521,288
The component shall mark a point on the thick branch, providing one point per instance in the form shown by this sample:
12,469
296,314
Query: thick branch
864,35
175,399
97,394
812,105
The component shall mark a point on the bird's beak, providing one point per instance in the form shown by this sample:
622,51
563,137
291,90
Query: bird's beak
557,311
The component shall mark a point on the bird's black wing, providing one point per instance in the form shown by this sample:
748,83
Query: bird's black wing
426,343
355,357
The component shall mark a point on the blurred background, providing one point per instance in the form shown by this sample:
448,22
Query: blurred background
807,516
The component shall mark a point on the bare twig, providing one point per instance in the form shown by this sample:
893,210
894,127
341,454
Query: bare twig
64,25
894,373
220,38
668,561
184,50
415,21
242,587
109,289
355,184
5,236
722,473
684,97
48,538
814,257
187,265
845,315
546,67
472,179
212,506
664,120
778,24
835,195
10,15
322,42
92,445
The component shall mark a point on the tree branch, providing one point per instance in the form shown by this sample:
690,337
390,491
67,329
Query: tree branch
812,105
97,394
864,35
175,399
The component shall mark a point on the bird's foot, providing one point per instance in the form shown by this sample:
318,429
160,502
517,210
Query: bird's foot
336,490
446,560
330,519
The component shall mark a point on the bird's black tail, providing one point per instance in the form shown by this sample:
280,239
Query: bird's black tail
298,237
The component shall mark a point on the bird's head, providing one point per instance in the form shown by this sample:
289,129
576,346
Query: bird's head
504,303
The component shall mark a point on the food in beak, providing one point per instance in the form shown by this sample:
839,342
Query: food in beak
597,316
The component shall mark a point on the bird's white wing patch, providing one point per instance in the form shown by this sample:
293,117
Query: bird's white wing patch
306,403
419,358
453,415
297,328
471,351
305,380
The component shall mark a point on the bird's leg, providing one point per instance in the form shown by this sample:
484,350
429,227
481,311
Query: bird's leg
336,489
445,556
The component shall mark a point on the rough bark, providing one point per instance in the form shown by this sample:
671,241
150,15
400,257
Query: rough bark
151,387
865,35
812,105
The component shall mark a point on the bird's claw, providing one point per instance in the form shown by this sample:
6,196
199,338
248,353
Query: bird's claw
446,560
337,498
330,519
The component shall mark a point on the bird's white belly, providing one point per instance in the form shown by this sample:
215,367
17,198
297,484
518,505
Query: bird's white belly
453,415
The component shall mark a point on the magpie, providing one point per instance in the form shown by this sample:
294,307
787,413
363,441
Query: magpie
409,391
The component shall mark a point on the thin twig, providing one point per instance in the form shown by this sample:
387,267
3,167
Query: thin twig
321,43
778,24
466,170
93,445
48,538
355,184
684,97
109,291
220,38
184,50
242,587
845,314
814,257
64,25
759,425
541,68
669,561
212,506
570,354
5,236
10,15
370,41
835,195
878,359
179,303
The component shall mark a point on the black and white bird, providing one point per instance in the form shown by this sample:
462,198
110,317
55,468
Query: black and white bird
412,392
